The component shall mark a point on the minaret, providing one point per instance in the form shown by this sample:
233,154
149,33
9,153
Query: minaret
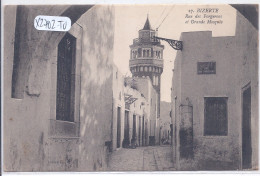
146,57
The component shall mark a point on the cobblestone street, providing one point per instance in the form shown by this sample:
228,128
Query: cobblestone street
151,158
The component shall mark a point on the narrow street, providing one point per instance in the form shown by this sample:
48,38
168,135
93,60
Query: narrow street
150,158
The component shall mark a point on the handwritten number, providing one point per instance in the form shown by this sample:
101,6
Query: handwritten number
53,27
41,22
51,23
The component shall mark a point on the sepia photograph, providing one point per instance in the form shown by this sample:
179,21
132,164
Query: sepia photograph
130,87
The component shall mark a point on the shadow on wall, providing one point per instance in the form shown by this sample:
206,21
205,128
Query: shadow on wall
96,87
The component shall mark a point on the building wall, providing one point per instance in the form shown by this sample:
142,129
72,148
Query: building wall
118,101
96,87
23,146
144,85
210,147
247,48
189,88
63,136
139,108
26,119
34,140
165,120
176,91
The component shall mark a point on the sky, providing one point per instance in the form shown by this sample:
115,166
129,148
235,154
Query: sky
171,22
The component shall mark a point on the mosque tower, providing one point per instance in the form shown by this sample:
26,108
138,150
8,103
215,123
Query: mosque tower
146,57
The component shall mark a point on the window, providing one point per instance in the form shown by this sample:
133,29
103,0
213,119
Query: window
139,52
65,81
144,53
215,116
134,54
62,125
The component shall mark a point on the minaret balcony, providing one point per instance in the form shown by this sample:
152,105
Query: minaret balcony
144,61
138,41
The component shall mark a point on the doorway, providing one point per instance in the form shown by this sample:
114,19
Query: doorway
118,126
146,133
143,131
134,130
126,130
246,129
139,132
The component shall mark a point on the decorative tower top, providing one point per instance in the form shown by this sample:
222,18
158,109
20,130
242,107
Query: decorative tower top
147,25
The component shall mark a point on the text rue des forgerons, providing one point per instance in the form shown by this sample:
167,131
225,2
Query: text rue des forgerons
203,16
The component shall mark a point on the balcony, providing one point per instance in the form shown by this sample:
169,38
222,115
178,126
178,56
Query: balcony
144,61
138,41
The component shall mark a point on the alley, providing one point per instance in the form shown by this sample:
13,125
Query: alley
151,158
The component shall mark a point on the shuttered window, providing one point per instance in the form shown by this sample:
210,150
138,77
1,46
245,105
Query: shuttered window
215,116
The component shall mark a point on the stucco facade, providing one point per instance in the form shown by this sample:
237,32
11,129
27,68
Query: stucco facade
236,67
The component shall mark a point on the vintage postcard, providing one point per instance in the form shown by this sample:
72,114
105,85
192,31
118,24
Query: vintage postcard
152,87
